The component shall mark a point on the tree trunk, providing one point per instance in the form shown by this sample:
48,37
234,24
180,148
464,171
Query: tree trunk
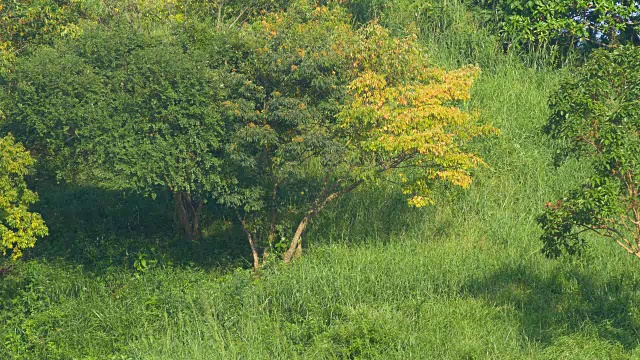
252,242
299,249
254,251
272,225
188,215
295,248
219,20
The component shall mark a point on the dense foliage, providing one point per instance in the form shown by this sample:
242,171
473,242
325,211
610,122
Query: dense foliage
563,25
25,22
126,111
596,117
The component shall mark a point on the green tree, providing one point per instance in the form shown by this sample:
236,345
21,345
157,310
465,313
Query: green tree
327,108
563,24
169,131
19,228
120,109
596,118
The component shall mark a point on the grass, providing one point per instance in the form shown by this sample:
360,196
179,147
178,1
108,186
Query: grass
461,280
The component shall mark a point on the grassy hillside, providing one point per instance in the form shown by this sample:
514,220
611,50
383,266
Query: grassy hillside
461,280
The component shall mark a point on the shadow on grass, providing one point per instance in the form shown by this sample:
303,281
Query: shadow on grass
99,228
564,303
376,214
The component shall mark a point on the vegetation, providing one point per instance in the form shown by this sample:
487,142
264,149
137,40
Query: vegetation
563,26
335,109
19,228
125,111
33,22
222,122
595,117
314,110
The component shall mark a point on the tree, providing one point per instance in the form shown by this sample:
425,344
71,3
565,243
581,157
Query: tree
596,118
170,130
19,228
327,108
119,109
564,24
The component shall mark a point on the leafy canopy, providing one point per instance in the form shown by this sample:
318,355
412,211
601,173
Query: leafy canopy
19,228
596,118
122,109
564,24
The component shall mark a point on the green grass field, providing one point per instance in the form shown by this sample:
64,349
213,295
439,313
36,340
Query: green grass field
463,279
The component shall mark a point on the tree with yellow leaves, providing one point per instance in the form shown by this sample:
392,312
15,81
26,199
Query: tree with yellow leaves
327,108
19,228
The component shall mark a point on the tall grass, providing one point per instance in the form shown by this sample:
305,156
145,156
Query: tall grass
461,280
